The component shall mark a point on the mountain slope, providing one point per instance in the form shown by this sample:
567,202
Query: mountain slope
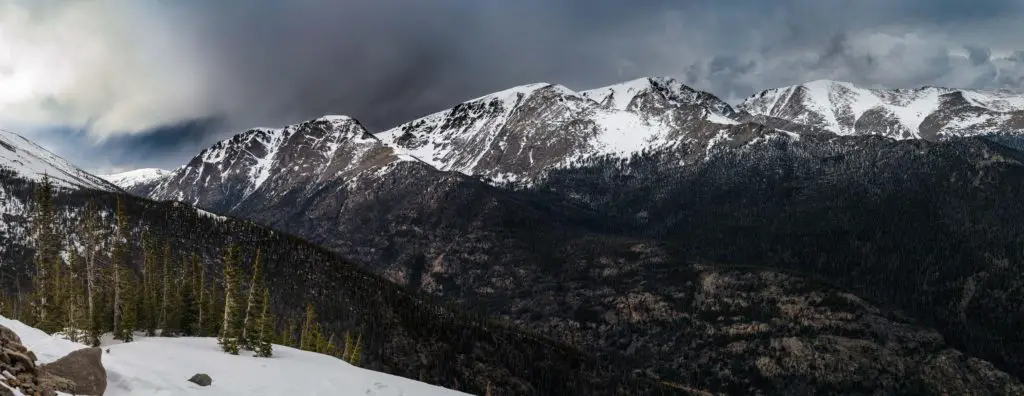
26,158
924,113
405,333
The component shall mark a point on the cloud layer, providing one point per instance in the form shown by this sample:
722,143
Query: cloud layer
133,76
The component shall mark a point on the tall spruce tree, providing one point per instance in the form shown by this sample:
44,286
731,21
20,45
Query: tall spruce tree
89,233
46,258
165,285
120,301
250,325
147,293
306,338
265,326
128,318
231,325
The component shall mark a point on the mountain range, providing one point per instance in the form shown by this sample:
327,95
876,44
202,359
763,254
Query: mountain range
820,238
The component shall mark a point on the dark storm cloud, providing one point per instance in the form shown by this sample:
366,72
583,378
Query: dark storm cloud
270,63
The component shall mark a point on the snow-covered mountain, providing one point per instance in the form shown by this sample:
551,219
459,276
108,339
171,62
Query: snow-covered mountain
260,161
29,160
137,177
520,132
140,181
162,366
923,113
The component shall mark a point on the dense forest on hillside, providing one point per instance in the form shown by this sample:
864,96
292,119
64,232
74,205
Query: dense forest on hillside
932,229
398,331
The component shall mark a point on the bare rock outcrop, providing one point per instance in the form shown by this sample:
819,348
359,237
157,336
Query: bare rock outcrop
84,368
79,373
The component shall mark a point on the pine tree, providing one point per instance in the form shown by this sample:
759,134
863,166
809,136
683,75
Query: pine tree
164,287
264,347
357,353
231,325
129,305
47,257
214,304
73,300
306,339
253,308
199,271
121,255
346,354
288,336
149,287
90,237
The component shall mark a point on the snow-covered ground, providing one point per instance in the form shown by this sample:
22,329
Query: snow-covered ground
162,366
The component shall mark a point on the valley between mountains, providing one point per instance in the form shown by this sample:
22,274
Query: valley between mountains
640,238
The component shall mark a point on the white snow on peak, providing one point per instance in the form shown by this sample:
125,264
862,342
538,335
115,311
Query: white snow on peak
334,118
136,177
31,161
618,96
163,365
512,94
482,136
838,104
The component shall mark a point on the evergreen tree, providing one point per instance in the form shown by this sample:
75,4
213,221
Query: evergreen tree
357,353
231,325
214,304
202,298
128,319
89,233
121,300
306,338
250,325
288,336
147,313
264,347
346,354
165,285
74,305
46,258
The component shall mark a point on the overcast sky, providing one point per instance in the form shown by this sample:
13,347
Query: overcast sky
115,85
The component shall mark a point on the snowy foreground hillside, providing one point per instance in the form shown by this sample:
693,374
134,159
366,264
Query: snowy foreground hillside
162,366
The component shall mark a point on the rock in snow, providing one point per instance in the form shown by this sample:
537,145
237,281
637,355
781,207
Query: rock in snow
83,367
156,366
201,379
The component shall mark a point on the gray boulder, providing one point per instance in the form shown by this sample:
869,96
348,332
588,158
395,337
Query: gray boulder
201,379
83,368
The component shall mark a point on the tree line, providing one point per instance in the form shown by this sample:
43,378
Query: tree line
91,287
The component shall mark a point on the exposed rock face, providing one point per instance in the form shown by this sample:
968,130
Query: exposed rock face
201,380
84,368
18,368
